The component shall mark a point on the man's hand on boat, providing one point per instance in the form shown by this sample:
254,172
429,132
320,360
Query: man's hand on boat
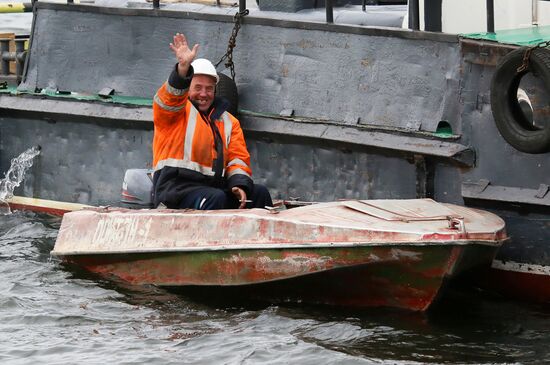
183,53
240,195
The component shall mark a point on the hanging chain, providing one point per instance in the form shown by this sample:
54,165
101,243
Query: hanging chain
527,55
228,56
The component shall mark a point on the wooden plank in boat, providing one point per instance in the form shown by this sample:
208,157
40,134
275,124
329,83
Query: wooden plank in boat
403,210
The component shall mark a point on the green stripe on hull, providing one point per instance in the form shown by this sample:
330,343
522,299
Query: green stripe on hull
407,277
238,267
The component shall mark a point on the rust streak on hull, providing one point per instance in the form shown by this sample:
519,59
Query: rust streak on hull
366,277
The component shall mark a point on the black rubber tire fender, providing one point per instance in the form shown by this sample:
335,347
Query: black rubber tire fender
510,120
227,89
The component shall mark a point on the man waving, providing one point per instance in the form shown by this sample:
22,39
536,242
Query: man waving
200,157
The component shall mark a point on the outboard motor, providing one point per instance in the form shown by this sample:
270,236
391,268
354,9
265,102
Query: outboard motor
137,189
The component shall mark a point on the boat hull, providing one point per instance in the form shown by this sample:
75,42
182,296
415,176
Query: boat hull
521,269
408,277
357,253
525,282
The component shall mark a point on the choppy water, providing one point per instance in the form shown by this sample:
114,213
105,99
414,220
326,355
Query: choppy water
50,314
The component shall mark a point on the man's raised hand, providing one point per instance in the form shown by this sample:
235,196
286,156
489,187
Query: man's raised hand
183,53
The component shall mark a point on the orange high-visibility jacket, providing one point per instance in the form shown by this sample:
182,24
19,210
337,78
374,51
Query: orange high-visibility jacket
188,151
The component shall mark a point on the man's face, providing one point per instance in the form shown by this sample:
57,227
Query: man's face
201,91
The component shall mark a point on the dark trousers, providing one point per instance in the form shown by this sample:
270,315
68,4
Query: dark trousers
208,198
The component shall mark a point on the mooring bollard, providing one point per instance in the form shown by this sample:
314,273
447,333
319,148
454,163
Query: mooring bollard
15,54
4,50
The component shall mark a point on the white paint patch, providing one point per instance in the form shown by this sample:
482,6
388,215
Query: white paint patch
398,254
519,267
288,266
374,258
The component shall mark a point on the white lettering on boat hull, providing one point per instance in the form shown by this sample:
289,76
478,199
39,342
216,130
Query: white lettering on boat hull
121,231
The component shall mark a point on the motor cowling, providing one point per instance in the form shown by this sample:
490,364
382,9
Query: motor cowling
137,189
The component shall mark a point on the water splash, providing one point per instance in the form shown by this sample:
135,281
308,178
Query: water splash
14,176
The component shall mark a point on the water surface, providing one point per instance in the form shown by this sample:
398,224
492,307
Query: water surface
51,314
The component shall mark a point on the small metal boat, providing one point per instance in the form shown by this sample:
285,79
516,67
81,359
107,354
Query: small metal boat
356,253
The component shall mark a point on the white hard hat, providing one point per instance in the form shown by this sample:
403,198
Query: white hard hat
201,66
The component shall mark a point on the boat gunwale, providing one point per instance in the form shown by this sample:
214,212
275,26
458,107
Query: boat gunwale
447,236
249,19
284,246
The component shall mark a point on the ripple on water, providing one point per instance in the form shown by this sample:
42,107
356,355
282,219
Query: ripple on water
53,314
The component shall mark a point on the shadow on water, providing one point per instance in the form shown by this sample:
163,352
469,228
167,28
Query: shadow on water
467,326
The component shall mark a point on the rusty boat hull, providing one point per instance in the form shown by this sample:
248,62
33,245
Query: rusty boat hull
390,253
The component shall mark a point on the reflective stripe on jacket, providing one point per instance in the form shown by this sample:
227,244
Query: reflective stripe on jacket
187,149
